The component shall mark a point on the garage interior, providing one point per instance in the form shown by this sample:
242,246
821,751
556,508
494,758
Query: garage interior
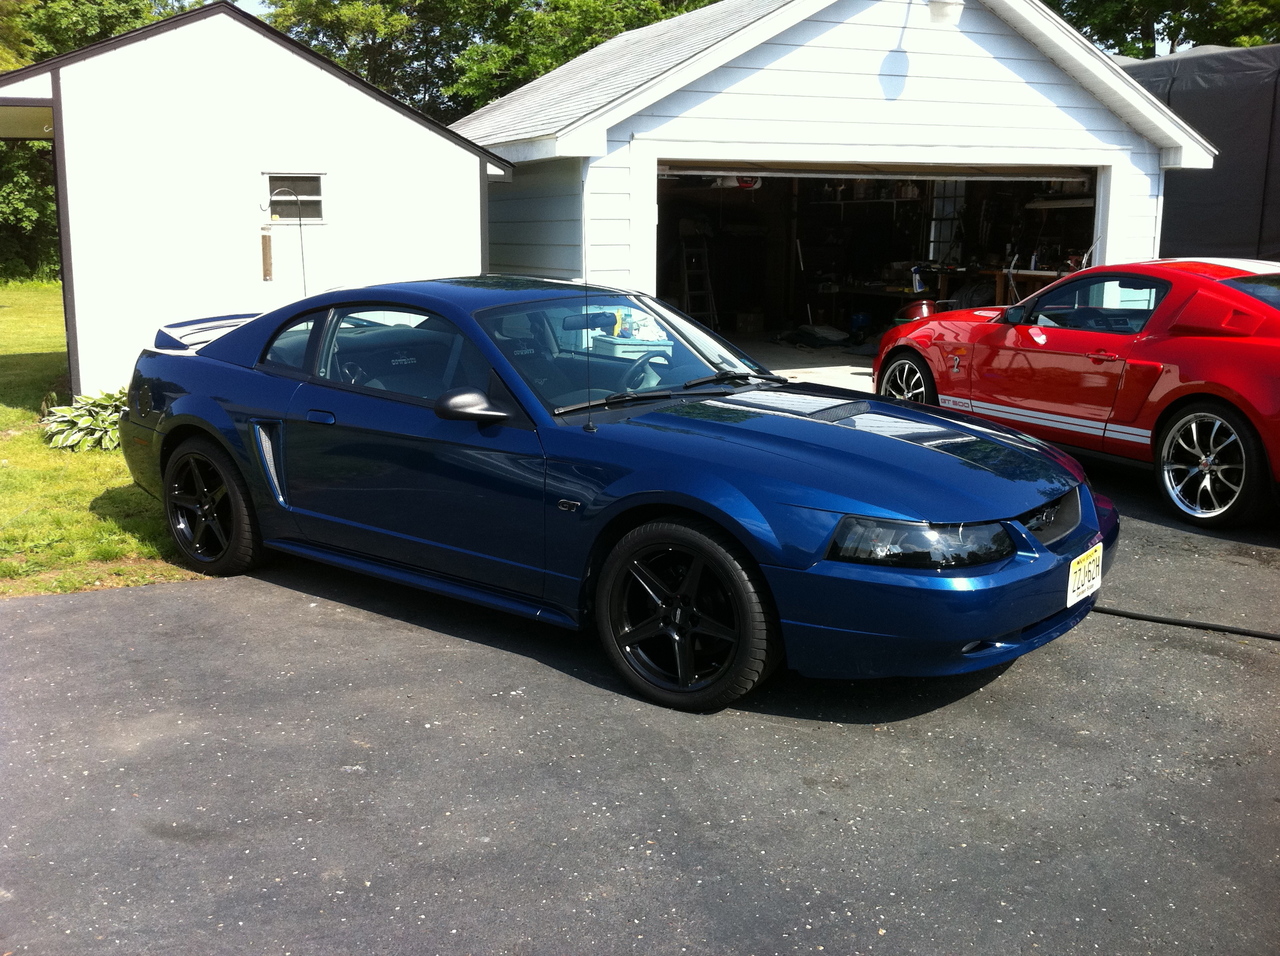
752,250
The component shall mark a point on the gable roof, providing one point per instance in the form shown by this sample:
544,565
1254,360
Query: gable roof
226,8
612,71
635,69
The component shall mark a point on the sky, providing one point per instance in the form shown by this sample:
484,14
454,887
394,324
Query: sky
256,7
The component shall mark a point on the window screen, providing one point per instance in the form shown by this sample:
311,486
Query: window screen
295,197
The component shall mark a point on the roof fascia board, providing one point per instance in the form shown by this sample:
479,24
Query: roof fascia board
527,150
701,64
1098,74
226,8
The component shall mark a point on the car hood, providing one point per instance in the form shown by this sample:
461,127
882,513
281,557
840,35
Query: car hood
894,458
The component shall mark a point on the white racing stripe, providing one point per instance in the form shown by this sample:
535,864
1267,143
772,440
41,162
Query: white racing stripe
1081,426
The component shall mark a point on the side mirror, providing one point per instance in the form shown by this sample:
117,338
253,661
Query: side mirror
468,404
1015,314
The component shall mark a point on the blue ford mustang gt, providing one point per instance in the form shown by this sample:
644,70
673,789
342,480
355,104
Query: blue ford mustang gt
587,456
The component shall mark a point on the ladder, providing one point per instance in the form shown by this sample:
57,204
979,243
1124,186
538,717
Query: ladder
695,271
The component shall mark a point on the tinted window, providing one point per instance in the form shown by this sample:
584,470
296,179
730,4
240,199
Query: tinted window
289,348
409,353
1263,288
1118,304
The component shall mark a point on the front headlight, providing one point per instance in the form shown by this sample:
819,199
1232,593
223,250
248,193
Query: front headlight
917,544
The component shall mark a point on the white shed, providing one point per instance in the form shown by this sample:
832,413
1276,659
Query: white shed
801,157
208,164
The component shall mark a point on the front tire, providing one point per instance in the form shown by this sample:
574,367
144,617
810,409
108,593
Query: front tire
907,377
1210,466
207,506
684,616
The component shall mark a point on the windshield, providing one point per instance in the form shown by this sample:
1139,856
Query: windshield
1265,288
571,351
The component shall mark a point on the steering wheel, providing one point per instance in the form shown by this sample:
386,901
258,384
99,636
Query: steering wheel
634,373
353,374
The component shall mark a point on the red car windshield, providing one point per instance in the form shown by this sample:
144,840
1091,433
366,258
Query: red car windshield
1265,288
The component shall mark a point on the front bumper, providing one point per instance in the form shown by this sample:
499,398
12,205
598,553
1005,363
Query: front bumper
845,620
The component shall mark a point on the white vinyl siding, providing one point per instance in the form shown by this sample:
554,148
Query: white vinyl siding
535,221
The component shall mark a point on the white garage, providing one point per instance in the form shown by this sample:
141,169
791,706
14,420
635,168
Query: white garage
767,162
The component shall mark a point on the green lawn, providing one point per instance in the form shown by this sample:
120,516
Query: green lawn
69,521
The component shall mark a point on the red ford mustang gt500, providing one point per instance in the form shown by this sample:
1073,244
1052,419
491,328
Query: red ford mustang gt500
1174,361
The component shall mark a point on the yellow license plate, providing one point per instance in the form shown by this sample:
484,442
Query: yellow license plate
1086,575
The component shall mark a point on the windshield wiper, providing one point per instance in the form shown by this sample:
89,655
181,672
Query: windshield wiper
733,375
626,398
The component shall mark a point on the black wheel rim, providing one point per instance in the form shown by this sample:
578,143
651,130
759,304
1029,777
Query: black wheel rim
675,619
199,508
1203,465
903,380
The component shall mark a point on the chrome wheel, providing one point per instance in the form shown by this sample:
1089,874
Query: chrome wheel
682,616
1210,465
908,378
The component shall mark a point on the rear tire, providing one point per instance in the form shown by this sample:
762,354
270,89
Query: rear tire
907,377
1211,467
684,616
207,505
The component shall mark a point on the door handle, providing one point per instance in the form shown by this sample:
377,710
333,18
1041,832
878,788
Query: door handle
320,417
1101,356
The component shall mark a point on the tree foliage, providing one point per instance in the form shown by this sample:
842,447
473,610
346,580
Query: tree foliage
28,212
540,35
1134,27
404,47
449,57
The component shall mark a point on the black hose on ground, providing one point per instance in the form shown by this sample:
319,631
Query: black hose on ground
1178,622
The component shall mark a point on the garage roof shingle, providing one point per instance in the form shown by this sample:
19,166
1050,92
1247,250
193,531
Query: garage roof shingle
609,72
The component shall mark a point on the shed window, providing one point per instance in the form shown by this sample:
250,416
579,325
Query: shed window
295,197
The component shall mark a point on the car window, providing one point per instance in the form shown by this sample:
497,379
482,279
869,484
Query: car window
574,350
409,353
1264,288
289,347
1117,304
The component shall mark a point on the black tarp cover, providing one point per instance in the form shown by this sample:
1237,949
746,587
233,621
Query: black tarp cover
1232,97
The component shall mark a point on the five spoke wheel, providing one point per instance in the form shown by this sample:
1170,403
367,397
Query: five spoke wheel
207,508
1210,465
682,616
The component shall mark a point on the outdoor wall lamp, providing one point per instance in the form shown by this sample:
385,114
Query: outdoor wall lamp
946,12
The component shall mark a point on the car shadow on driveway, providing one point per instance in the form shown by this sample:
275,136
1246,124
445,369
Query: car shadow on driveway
579,655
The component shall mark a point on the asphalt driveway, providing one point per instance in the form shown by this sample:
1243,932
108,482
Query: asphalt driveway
309,763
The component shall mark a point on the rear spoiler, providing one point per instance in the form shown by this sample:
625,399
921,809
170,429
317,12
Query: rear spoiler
192,334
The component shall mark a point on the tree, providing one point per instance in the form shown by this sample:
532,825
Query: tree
1133,27
449,57
15,41
404,47
540,35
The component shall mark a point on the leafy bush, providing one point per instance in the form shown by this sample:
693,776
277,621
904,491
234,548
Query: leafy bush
87,422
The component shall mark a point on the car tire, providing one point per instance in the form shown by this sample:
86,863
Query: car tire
207,506
1210,465
685,617
907,377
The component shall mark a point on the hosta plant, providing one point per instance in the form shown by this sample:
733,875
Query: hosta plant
87,422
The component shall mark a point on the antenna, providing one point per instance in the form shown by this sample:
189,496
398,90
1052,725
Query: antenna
590,426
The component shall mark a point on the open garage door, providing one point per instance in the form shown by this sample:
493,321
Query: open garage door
758,248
